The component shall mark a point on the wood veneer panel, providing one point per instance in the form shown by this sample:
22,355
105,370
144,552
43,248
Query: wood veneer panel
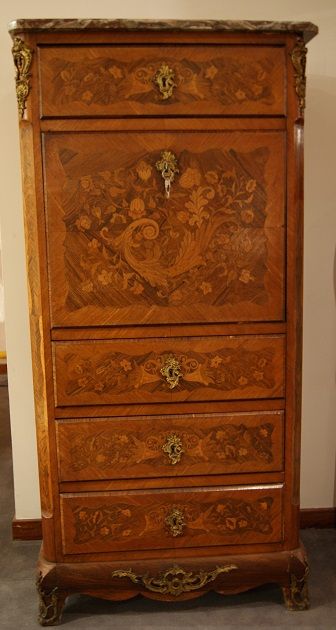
121,253
120,80
214,368
169,446
115,521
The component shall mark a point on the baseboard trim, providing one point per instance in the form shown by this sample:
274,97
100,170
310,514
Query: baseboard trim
318,517
27,529
31,529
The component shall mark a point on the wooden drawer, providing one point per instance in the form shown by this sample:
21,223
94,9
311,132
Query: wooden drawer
143,371
102,522
120,252
125,448
124,81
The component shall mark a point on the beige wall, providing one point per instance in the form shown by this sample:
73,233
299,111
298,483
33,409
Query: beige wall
319,393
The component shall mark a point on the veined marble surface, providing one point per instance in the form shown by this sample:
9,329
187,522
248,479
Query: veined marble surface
306,29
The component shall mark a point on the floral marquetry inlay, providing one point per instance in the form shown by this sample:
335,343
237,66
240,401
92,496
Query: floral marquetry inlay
126,244
227,443
106,80
136,520
226,369
237,515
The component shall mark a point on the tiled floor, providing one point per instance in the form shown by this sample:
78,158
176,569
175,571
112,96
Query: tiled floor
260,608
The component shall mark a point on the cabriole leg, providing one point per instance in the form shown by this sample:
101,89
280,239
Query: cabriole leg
51,602
296,594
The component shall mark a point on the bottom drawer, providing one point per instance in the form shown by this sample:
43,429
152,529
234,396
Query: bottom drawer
163,519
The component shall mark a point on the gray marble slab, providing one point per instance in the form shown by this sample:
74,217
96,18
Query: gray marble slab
306,29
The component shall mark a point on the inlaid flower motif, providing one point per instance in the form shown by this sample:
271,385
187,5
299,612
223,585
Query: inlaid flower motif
211,72
246,244
104,531
223,239
105,277
137,208
116,72
87,286
83,222
216,361
106,175
126,532
240,95
97,212
246,276
263,432
191,177
242,380
126,512
93,245
247,215
126,365
137,288
144,170
87,96
115,191
258,375
206,288
242,523
211,177
83,382
176,297
86,182
182,216
251,185
256,89
196,206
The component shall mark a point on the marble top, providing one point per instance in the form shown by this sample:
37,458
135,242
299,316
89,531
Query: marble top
306,29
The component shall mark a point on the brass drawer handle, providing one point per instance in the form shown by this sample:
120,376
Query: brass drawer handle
171,370
173,447
167,166
164,79
175,522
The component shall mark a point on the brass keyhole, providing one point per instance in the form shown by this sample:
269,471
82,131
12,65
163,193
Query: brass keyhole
173,447
171,370
175,522
165,81
167,166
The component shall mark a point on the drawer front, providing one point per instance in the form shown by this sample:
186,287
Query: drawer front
169,370
123,448
161,520
120,252
161,80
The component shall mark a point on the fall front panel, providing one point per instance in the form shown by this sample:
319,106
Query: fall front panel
125,247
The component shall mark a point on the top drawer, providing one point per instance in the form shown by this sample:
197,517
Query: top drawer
128,80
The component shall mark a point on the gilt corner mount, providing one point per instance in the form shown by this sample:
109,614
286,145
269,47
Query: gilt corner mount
22,56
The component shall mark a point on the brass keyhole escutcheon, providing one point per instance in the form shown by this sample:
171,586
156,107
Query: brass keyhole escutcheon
165,80
175,522
173,447
167,166
171,370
